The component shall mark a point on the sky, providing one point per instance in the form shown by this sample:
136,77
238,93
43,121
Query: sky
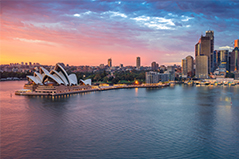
89,32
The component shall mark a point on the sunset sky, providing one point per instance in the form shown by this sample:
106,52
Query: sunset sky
90,32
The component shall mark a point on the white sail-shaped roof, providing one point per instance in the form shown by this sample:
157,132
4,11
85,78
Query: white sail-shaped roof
58,79
86,82
38,75
64,78
35,79
73,78
61,76
43,70
62,71
55,78
58,75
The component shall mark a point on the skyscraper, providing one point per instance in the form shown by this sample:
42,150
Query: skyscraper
154,66
110,62
206,50
235,59
189,63
236,43
205,47
221,59
210,34
184,67
138,62
197,48
202,66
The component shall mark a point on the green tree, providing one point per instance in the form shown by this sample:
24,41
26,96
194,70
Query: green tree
115,80
105,79
97,77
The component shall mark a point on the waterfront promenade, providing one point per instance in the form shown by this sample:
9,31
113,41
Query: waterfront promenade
92,89
26,92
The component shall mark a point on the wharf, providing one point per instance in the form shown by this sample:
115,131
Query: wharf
104,88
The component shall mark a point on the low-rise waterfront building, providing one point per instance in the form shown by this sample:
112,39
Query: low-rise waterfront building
236,75
171,72
155,77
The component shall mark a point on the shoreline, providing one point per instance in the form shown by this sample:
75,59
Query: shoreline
89,90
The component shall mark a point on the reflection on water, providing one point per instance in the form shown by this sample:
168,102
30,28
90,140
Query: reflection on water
172,122
136,91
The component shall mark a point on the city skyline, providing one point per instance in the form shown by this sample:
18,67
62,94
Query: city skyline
89,32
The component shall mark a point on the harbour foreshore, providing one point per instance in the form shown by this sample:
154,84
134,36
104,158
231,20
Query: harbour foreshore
92,89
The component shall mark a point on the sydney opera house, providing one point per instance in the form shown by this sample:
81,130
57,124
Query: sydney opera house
55,81
57,76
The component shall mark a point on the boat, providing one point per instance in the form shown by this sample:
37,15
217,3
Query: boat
197,84
219,84
172,84
225,84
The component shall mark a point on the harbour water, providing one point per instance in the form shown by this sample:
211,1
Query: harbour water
172,122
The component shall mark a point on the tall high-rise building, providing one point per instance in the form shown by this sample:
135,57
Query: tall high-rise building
206,50
110,62
234,60
184,67
197,48
202,66
189,63
236,43
205,47
138,62
221,59
210,34
171,72
154,66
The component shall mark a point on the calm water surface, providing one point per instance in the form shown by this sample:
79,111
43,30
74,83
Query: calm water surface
179,122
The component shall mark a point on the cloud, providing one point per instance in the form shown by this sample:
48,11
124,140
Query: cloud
226,48
155,22
155,27
114,14
35,41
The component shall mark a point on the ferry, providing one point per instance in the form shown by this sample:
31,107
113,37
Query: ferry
197,83
207,83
